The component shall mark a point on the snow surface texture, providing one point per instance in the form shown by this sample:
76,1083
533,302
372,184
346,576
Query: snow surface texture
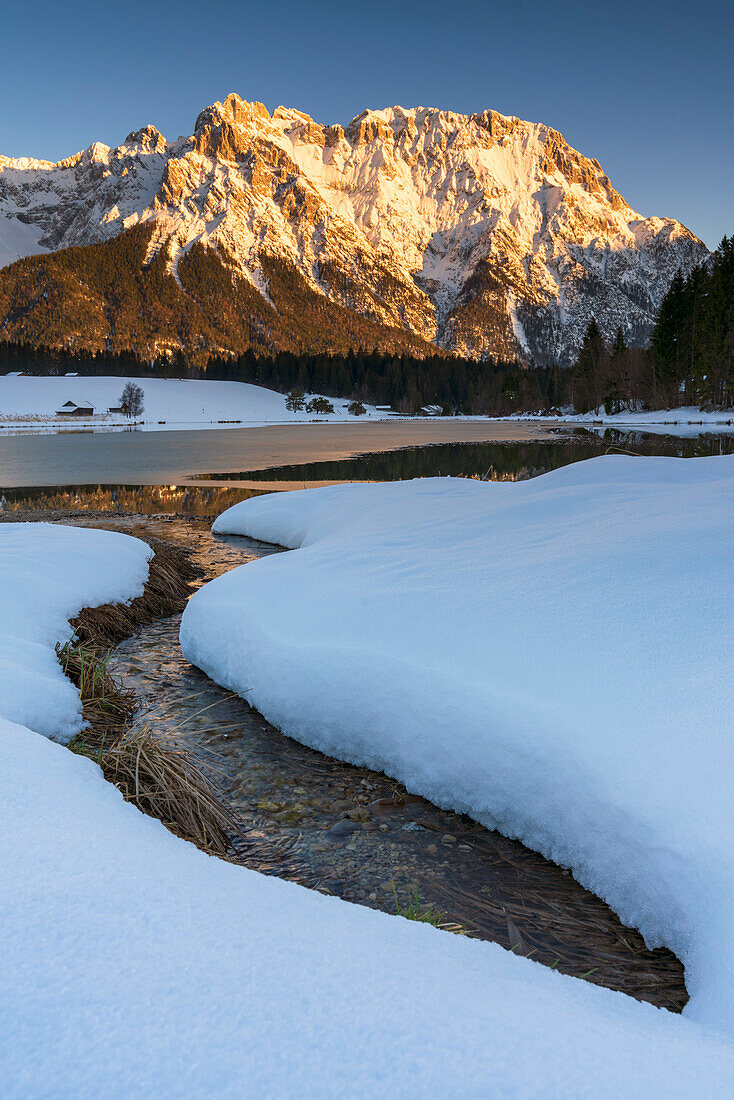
135,965
49,573
552,657
181,403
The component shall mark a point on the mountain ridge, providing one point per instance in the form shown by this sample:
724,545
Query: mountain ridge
477,234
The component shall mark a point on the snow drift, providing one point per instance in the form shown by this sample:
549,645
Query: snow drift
49,573
135,965
552,657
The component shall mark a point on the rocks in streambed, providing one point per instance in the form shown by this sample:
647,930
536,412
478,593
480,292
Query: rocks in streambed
358,815
342,828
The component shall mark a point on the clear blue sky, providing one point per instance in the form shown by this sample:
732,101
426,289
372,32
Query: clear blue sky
645,87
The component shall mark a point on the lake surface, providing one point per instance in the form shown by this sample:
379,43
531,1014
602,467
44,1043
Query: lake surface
165,458
495,461
209,494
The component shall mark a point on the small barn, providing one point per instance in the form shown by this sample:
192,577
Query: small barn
73,408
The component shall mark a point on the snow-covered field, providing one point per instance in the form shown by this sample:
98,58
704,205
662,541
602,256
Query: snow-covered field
554,657
31,402
135,965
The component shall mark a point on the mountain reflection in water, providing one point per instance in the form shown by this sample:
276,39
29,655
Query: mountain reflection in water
515,461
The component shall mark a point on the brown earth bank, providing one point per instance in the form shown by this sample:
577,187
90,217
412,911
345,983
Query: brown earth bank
307,817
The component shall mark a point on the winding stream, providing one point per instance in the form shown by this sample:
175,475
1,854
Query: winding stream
360,835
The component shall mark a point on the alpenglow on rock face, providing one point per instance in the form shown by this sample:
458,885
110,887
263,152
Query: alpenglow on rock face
479,233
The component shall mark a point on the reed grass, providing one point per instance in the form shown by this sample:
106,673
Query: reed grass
157,773
424,914
164,780
169,585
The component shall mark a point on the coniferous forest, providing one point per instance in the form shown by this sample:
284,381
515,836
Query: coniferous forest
690,358
407,384
689,361
693,342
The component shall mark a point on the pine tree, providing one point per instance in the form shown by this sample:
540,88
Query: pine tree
296,400
669,341
588,372
616,383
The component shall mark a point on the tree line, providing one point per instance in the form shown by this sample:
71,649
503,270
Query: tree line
407,384
693,341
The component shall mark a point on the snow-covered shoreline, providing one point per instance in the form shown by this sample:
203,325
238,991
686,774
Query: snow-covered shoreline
134,964
687,420
28,405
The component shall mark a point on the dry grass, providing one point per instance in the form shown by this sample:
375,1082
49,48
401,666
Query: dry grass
107,706
164,780
166,591
158,774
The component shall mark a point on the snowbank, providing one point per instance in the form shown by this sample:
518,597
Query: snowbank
135,965
49,573
179,402
553,657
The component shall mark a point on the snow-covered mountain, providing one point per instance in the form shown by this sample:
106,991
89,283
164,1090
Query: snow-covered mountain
479,233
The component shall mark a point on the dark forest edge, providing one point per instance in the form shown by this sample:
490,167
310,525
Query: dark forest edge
690,361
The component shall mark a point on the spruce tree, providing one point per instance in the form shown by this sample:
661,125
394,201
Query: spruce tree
588,371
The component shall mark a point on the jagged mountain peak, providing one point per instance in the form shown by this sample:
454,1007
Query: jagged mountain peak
234,109
481,233
148,137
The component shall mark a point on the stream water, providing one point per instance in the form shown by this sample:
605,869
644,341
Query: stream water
360,835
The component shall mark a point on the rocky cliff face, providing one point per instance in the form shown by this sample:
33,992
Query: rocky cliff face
482,234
